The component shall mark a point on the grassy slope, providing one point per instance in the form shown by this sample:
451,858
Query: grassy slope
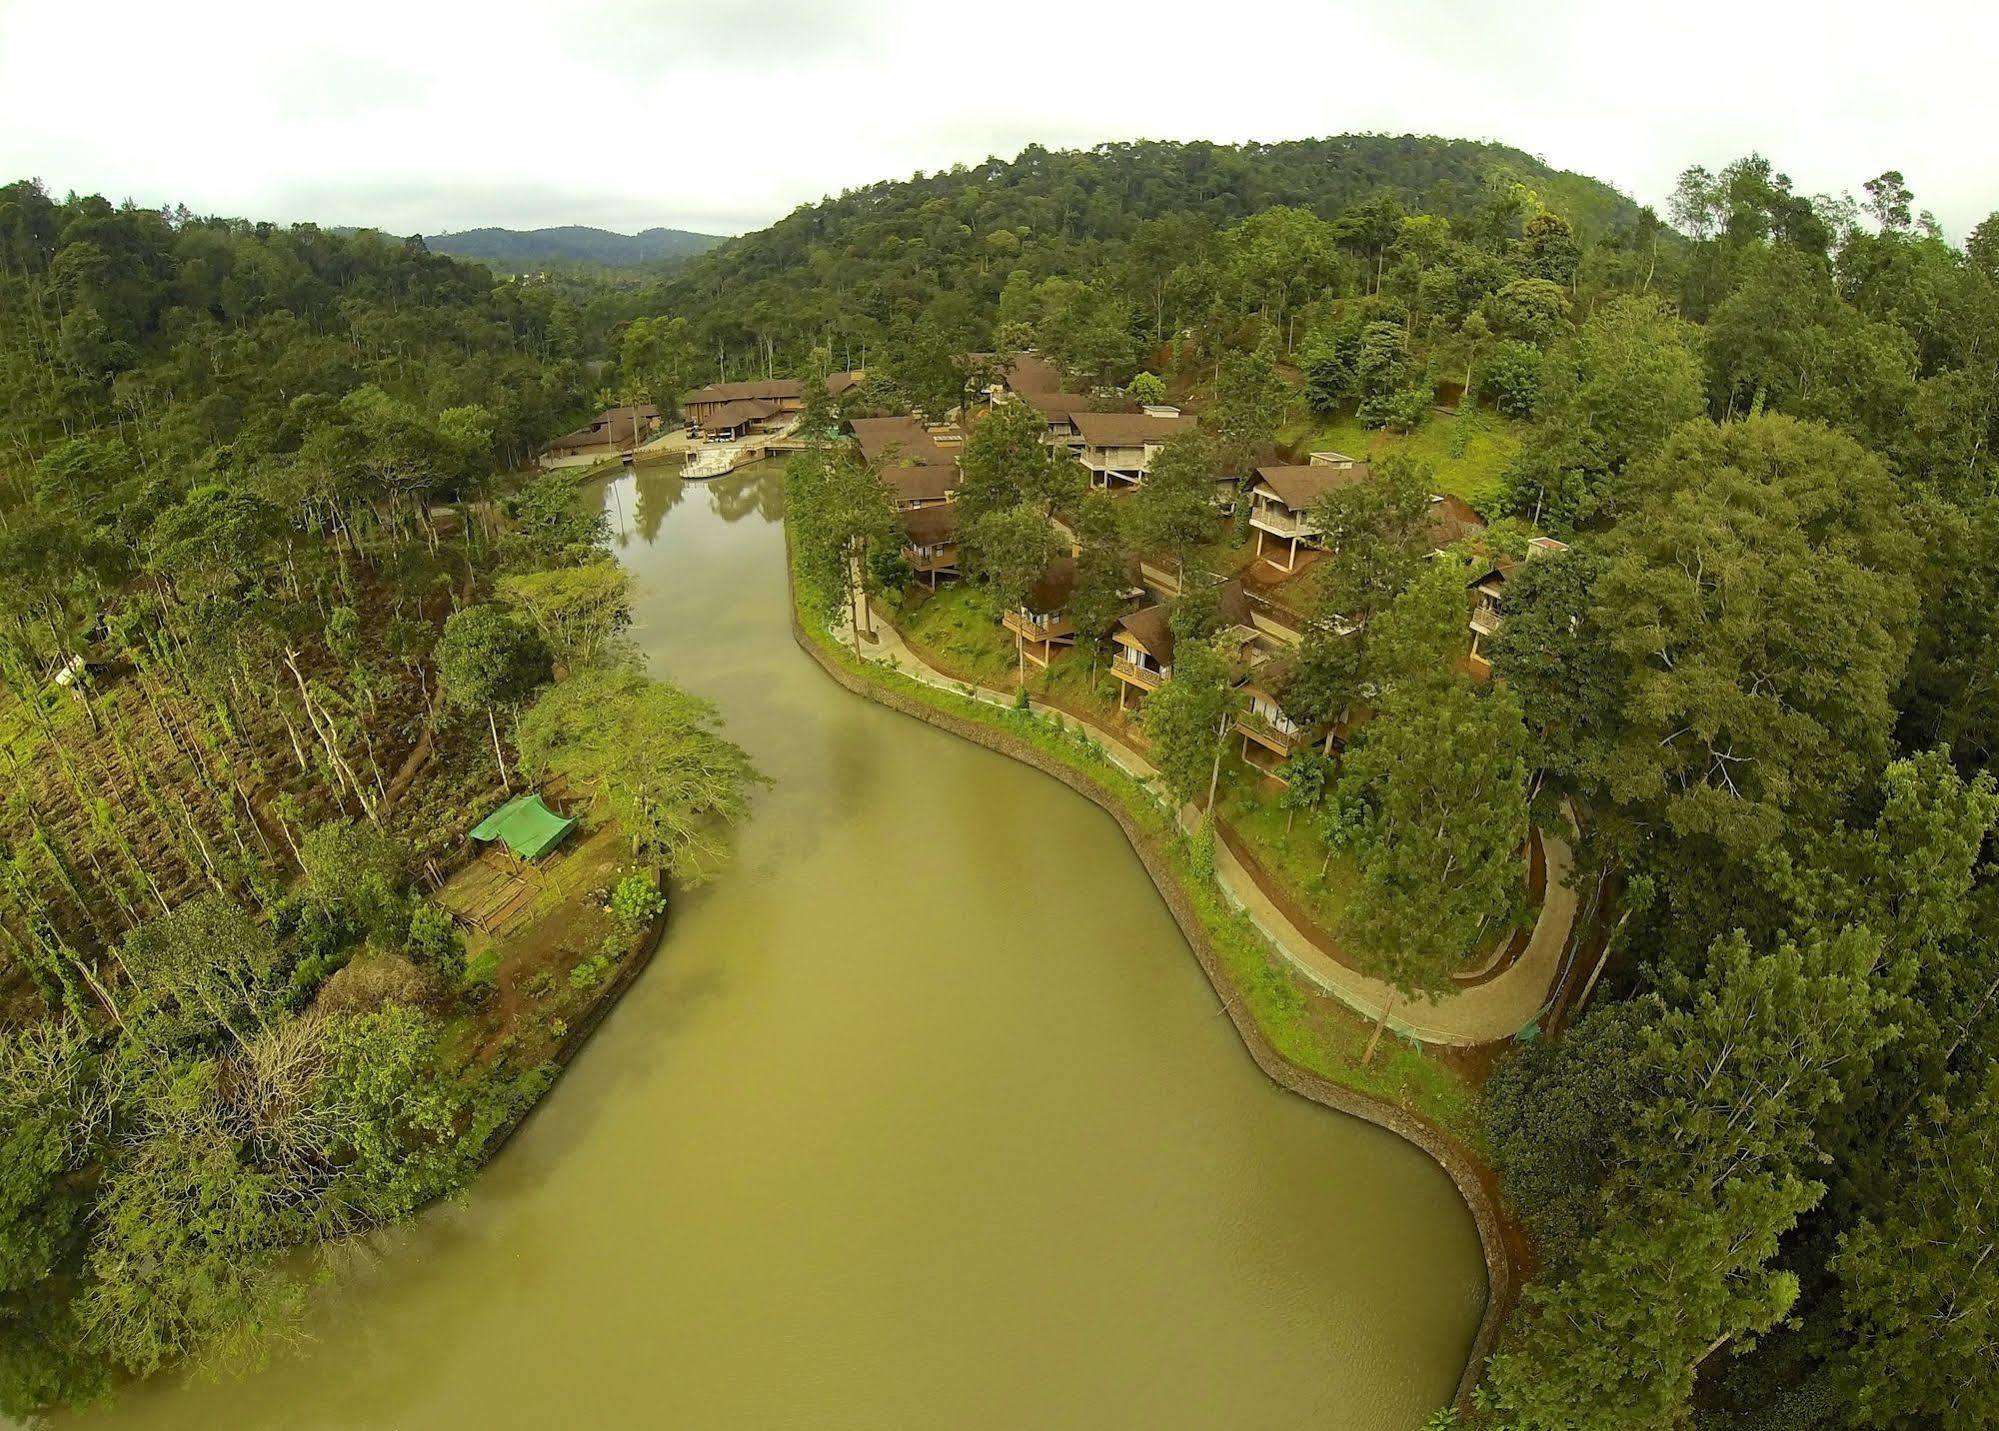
1474,475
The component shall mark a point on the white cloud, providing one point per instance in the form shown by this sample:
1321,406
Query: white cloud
421,117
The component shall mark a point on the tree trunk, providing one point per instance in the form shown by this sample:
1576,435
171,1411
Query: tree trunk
499,759
1375,1039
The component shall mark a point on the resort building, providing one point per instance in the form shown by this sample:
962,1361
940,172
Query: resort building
1451,521
616,429
897,442
1488,595
726,422
703,406
1118,447
1041,622
1058,413
1270,734
930,485
1027,373
1281,501
1144,659
930,541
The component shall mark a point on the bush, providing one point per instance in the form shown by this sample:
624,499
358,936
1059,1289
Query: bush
372,981
1146,388
432,942
1399,410
482,970
636,900
589,974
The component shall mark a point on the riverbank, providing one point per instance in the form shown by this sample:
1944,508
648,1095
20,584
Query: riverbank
1403,1093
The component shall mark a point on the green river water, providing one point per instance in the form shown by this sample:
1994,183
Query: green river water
924,1116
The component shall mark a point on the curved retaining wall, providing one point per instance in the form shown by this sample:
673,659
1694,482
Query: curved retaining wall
1474,1182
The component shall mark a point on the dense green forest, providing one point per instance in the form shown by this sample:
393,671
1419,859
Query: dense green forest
1754,1165
281,621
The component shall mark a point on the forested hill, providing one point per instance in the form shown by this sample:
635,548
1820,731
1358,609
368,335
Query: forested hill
892,247
572,243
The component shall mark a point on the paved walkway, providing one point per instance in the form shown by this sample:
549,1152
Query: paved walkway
1484,1013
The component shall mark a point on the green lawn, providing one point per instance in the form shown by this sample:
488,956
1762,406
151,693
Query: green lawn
1473,475
954,625
1295,857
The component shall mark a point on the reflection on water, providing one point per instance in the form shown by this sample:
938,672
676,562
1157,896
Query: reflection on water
923,1117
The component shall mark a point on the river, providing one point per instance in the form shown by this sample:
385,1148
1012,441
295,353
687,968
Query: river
924,1116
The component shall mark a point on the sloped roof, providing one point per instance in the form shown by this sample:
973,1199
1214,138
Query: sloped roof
902,440
1032,373
1152,629
1452,519
731,414
1299,487
770,389
1053,588
926,482
928,526
1128,429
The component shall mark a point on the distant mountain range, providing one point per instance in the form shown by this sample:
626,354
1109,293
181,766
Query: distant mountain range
572,243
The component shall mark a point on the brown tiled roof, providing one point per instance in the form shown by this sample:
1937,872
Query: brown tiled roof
1054,404
770,389
1128,429
1052,589
1032,373
837,383
731,414
614,427
1452,519
926,482
901,440
1299,487
928,526
1151,629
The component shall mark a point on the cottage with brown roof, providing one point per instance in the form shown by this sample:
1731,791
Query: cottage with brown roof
1144,660
1281,501
1488,594
786,396
930,542
1041,622
1118,447
1270,733
901,441
616,429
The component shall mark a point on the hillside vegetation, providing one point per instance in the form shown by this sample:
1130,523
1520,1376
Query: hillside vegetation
517,249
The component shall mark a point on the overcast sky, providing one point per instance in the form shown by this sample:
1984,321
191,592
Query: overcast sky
722,116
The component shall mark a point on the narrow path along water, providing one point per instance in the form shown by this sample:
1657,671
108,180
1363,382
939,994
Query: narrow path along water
923,1117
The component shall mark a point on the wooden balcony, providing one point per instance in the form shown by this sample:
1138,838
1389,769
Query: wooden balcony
1038,628
1279,742
1279,522
1485,619
1144,677
943,558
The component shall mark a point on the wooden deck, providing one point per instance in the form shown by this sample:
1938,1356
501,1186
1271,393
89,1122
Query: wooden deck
494,894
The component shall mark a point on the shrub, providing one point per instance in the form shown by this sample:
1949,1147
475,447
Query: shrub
636,900
539,985
432,942
589,974
482,970
371,981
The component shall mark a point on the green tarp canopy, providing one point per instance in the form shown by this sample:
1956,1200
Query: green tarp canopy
526,826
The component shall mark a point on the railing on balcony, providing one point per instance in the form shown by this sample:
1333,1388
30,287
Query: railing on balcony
1129,670
930,558
1261,729
1485,619
1280,521
1036,627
